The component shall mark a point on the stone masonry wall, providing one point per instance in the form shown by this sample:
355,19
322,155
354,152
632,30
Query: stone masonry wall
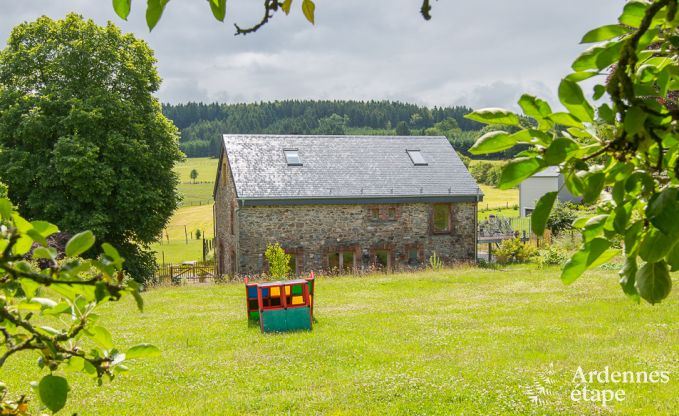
226,227
311,232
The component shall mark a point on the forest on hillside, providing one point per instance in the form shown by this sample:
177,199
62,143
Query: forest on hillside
202,125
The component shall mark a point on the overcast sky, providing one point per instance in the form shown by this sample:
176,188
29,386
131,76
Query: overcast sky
476,53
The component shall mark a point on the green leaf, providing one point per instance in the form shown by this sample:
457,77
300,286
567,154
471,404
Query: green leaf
218,8
286,6
534,107
632,238
48,253
517,170
627,278
154,10
79,243
491,142
655,245
592,254
622,216
672,258
494,116
134,289
594,227
663,211
74,364
604,33
53,391
565,119
122,8
308,8
653,282
23,245
44,228
606,113
5,208
580,76
101,336
142,351
37,237
593,185
111,252
634,120
571,96
558,151
541,212
633,13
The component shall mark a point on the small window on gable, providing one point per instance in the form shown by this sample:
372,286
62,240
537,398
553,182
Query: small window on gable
292,157
417,158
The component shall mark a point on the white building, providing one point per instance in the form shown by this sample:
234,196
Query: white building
532,189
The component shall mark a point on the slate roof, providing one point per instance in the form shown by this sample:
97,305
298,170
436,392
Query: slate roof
549,172
348,168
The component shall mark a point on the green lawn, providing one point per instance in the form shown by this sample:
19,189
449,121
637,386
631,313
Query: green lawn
464,341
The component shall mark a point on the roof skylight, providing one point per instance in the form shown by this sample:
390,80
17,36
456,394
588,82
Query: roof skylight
292,157
417,158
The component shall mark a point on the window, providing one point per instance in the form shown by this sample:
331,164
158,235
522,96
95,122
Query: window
342,261
441,218
413,257
392,213
292,157
375,214
383,259
417,158
231,221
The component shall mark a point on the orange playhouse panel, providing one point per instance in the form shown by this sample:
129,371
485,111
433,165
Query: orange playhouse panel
287,290
298,300
275,291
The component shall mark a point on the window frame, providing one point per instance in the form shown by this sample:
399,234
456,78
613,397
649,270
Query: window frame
448,210
287,154
421,160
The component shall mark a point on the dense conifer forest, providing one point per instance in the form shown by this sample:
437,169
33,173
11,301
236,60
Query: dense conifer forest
202,125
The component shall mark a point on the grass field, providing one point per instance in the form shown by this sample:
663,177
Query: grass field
177,250
199,193
464,341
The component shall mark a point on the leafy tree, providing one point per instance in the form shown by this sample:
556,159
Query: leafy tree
3,190
402,129
51,311
335,124
628,141
194,175
83,142
279,262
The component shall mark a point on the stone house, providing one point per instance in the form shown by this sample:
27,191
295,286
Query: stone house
342,203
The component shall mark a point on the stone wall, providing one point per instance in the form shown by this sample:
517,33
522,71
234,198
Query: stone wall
225,221
313,233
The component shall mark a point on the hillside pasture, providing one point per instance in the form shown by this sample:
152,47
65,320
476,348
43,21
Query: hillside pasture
464,341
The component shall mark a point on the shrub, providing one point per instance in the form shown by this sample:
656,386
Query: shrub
551,256
198,234
514,251
562,217
279,262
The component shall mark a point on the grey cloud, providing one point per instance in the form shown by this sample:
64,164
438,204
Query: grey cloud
473,53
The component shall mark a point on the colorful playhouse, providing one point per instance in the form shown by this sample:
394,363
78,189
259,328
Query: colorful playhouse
281,306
